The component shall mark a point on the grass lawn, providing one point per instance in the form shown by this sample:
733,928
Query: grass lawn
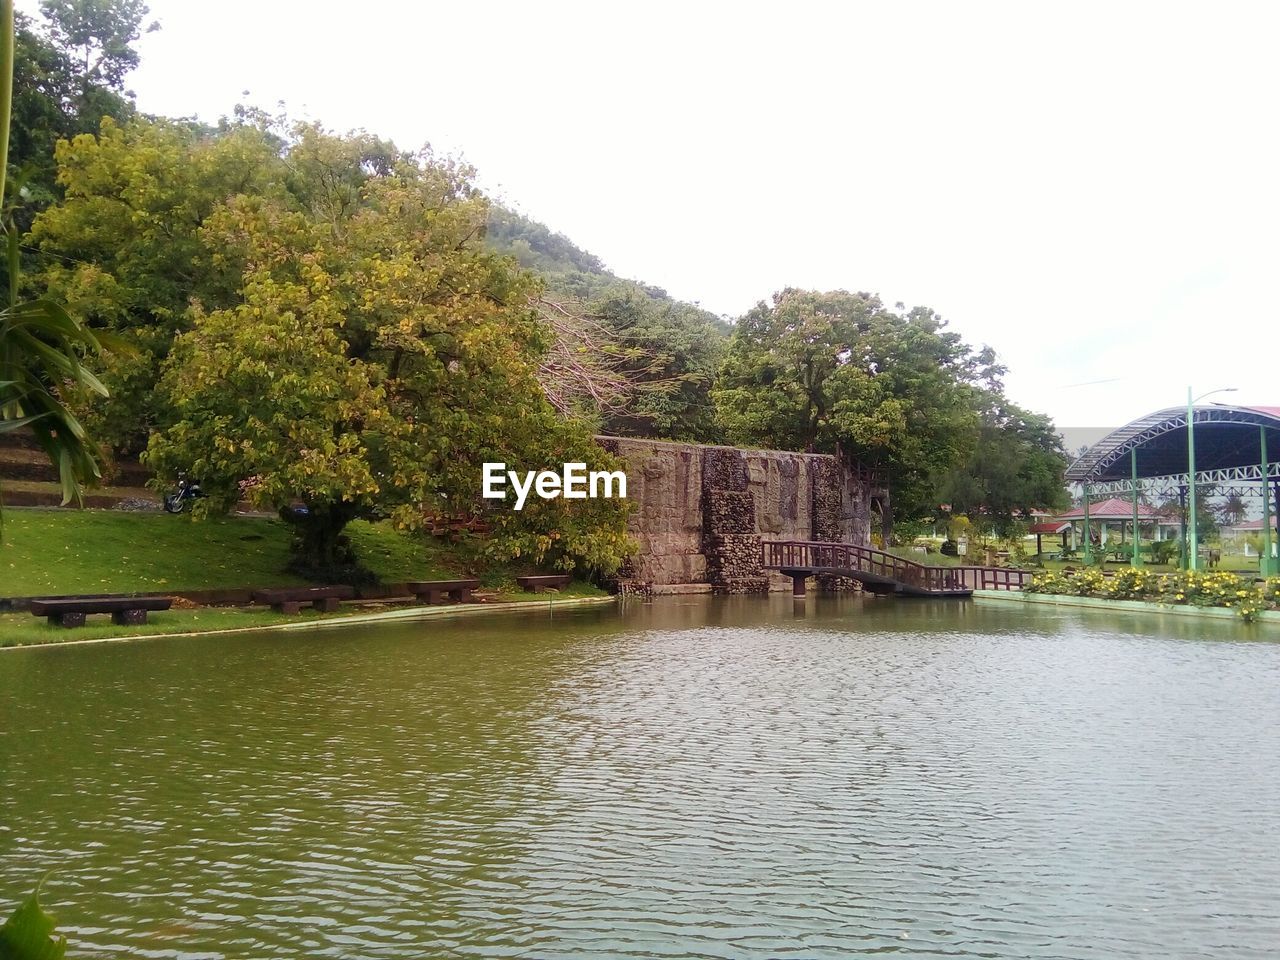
934,559
60,551
21,628
108,551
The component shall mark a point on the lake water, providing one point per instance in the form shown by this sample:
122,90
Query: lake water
691,778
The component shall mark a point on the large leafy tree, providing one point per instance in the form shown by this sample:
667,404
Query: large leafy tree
889,388
70,71
675,350
124,248
317,323
374,357
1015,465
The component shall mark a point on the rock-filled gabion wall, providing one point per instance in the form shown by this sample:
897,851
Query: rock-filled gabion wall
730,541
701,513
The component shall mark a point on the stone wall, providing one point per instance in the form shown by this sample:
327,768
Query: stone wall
701,512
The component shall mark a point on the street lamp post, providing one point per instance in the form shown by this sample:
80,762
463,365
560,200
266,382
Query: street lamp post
1193,548
1265,565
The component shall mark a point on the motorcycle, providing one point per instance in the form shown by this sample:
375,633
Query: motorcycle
188,490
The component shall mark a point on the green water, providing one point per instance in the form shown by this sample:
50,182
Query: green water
691,778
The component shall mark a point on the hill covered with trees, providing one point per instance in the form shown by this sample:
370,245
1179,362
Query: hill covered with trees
655,358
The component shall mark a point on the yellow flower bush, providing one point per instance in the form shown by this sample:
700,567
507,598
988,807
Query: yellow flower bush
1189,588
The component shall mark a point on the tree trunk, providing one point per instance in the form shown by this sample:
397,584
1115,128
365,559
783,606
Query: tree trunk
886,519
320,550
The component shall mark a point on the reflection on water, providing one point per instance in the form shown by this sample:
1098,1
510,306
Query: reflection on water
729,778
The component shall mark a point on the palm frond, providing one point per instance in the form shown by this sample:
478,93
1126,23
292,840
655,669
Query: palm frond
42,351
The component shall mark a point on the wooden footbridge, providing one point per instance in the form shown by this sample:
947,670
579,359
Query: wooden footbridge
883,573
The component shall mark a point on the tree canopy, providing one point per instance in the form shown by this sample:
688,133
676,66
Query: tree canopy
319,325
891,389
652,356
69,73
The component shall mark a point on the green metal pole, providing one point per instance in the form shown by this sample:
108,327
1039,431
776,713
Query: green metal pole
6,86
1088,541
1182,527
1133,469
1193,546
1266,566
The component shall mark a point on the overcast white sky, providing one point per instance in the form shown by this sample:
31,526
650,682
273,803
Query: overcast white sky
1090,188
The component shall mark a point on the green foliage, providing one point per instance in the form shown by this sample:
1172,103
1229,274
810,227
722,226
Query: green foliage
29,934
839,371
372,362
553,255
40,352
894,391
1232,510
69,74
677,351
98,35
671,349
1015,465
1271,593
1165,551
125,250
41,346
315,321
568,270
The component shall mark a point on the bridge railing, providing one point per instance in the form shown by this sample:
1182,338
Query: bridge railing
993,578
809,553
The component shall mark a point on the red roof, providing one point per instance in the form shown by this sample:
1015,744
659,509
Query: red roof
1269,411
1113,509
1246,525
1057,526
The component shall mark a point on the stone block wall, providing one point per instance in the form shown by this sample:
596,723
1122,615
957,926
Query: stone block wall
730,535
701,513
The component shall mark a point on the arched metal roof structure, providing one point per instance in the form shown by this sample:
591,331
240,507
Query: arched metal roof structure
1228,448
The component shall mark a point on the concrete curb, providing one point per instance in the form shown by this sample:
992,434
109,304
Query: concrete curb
410,613
1133,606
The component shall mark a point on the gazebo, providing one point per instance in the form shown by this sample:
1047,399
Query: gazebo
1111,513
1057,528
1178,449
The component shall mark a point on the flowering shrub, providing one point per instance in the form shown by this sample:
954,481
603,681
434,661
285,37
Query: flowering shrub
1271,592
1188,588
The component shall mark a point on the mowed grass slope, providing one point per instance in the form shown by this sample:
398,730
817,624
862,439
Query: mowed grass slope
55,551
49,552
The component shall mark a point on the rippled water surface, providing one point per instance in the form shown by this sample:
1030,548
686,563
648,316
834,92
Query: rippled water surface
690,778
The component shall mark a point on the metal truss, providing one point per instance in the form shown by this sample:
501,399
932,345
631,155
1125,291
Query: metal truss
1117,444
1227,482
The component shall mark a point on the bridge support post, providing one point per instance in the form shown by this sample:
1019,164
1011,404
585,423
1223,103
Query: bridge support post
798,585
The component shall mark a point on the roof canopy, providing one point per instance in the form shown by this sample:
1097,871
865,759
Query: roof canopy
1056,526
1112,509
1227,437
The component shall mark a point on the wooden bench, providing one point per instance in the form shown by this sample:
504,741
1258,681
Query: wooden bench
539,583
434,591
124,610
293,599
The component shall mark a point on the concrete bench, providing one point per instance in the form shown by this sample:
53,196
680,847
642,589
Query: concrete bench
434,591
293,599
539,583
125,611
